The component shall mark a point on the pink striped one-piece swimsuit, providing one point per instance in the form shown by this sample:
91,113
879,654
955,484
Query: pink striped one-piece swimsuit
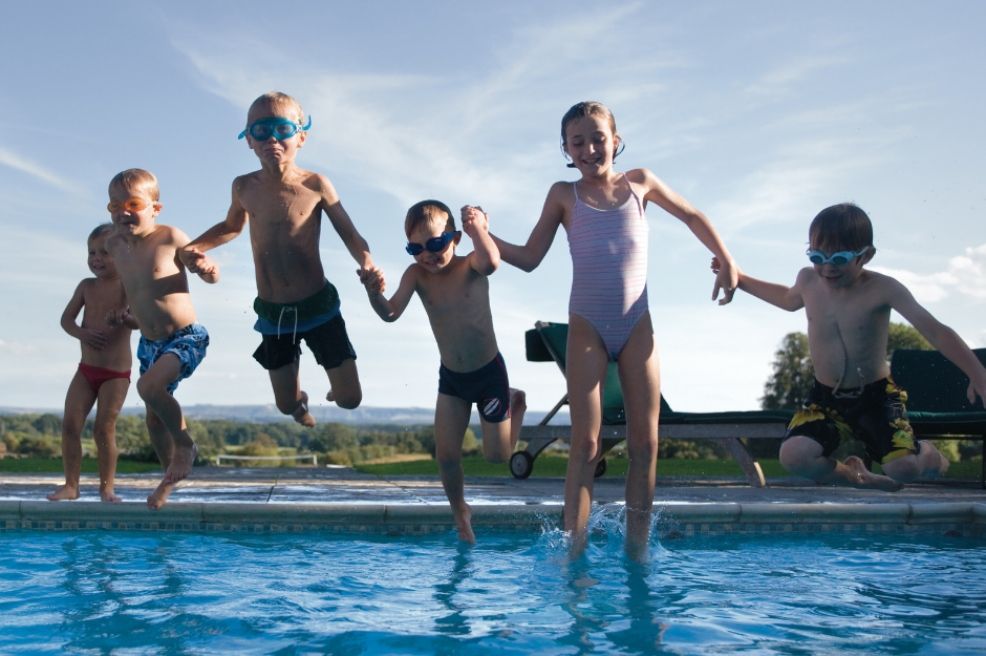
609,268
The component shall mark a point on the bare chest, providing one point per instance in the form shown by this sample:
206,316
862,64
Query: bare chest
282,209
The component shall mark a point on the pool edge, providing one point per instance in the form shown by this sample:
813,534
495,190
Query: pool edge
678,519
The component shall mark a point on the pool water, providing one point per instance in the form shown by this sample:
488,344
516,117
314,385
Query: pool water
169,593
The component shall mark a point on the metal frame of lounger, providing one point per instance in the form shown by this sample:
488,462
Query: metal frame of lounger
728,428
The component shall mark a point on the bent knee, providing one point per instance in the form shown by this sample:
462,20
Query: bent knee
585,448
148,389
798,451
903,469
348,399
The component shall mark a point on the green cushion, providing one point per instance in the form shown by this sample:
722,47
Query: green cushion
933,383
548,337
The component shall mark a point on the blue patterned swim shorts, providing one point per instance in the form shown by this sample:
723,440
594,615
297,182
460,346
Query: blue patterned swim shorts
188,345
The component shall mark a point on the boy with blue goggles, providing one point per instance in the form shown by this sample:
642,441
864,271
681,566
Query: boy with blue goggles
275,126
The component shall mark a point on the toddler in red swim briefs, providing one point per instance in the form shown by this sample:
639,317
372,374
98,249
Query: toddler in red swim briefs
103,376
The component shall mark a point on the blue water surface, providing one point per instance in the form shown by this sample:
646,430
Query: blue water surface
100,592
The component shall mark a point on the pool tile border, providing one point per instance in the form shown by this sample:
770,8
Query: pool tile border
674,520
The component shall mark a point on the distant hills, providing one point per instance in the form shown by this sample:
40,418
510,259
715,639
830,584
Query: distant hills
364,415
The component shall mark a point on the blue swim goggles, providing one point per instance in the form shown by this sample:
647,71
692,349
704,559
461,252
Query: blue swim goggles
840,258
433,245
275,126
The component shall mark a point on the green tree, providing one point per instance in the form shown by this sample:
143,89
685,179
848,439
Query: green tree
904,336
792,374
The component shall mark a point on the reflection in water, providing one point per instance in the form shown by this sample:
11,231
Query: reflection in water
644,629
101,591
456,622
578,583
111,591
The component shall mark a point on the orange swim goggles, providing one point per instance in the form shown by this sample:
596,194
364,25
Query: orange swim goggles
134,204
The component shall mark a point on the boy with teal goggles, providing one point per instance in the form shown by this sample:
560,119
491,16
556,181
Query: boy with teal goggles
275,126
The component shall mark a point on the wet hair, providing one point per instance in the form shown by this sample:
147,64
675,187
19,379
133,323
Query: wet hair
137,180
583,109
426,211
841,226
99,231
278,100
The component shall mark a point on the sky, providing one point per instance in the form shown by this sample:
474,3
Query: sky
759,113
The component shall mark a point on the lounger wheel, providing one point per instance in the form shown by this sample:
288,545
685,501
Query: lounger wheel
521,464
600,468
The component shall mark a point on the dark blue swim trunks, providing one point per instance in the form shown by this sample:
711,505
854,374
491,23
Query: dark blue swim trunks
487,387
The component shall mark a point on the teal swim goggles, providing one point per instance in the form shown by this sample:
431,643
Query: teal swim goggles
275,126
840,258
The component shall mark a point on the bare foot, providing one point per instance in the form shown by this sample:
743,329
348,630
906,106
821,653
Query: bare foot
301,414
160,495
862,477
463,523
108,496
182,461
64,493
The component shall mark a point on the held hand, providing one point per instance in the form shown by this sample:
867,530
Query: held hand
207,269
189,257
372,279
117,317
727,280
195,260
474,219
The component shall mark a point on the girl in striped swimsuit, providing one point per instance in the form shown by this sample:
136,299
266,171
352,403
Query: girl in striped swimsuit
603,215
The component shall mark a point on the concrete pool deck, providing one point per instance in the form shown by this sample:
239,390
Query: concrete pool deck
289,499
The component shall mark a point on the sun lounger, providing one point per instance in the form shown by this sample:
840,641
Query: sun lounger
546,343
936,403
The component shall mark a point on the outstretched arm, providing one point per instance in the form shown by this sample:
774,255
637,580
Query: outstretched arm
529,256
727,278
942,338
485,257
192,254
388,309
784,297
344,226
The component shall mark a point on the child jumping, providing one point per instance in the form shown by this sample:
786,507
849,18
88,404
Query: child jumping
848,310
284,204
609,319
103,376
454,290
171,344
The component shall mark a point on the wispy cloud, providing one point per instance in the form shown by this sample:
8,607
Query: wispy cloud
964,275
415,132
969,271
784,79
17,162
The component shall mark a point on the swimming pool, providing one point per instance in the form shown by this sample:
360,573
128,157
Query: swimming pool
514,593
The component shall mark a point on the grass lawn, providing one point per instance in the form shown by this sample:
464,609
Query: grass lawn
551,465
546,466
